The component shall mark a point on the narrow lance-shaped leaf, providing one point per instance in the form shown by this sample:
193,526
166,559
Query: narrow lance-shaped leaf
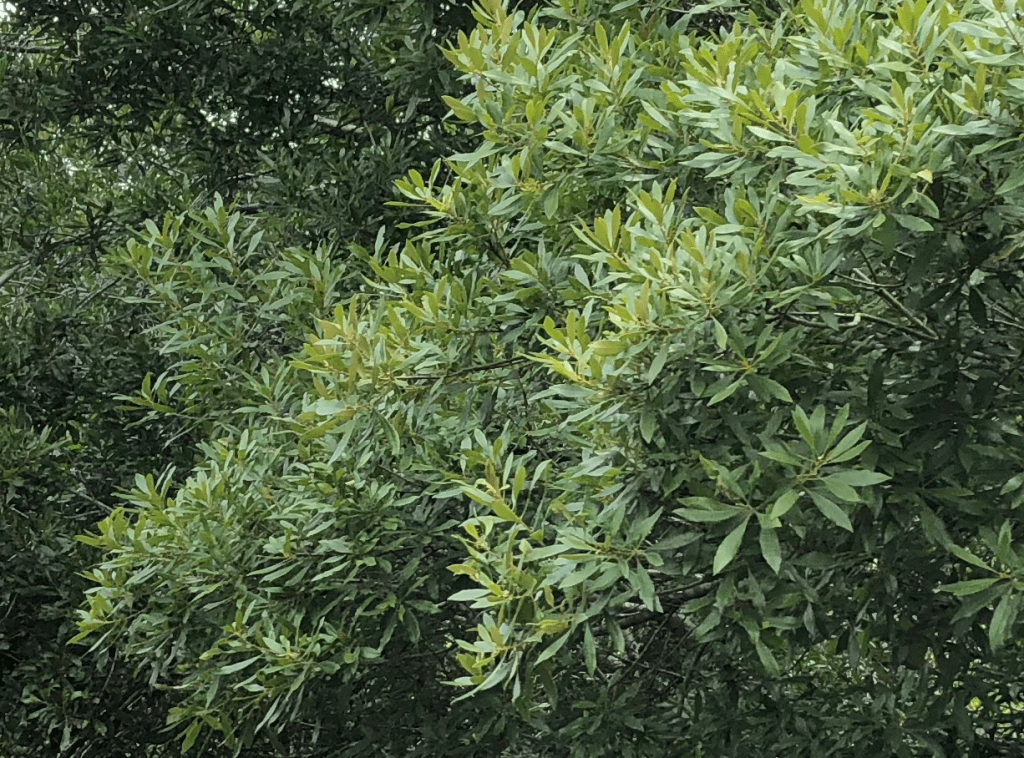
729,546
831,510
1003,619
770,548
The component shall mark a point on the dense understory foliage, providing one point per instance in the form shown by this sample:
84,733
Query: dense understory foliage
112,114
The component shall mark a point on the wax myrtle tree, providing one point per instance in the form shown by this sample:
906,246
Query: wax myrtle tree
689,423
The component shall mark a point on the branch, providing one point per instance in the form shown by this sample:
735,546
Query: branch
465,371
795,318
888,297
26,49
674,600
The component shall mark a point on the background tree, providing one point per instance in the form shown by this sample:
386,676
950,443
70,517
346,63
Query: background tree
112,114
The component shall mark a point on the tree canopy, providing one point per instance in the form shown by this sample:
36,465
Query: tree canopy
676,412
112,114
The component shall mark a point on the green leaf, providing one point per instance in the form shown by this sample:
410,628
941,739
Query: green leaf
784,504
498,674
553,648
721,338
770,548
1012,484
728,548
972,604
589,650
708,516
768,660
475,593
780,454
190,735
657,364
913,223
648,425
841,489
1003,619
831,510
850,454
966,555
645,587
934,529
725,393
969,587
818,421
977,308
501,510
233,667
766,387
618,638
803,426
1013,181
858,478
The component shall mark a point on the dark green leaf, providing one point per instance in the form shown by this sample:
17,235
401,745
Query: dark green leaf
770,548
830,510
1003,619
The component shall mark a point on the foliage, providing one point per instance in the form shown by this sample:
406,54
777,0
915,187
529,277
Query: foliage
702,378
111,114
67,349
306,110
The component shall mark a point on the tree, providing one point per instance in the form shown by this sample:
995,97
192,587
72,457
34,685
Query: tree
112,114
689,424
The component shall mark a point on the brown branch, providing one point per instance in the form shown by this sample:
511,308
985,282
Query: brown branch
465,371
674,600
888,297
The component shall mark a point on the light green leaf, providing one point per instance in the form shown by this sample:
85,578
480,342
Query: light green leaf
858,478
1012,485
707,516
1013,182
233,667
475,593
913,223
728,548
645,588
768,135
841,489
725,393
501,510
657,364
784,504
769,387
721,338
190,735
847,442
850,454
966,555
553,648
803,426
648,424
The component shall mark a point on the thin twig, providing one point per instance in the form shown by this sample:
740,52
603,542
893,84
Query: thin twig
465,371
888,297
